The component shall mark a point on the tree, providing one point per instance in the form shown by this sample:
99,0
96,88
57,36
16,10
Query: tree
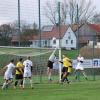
86,11
96,18
5,30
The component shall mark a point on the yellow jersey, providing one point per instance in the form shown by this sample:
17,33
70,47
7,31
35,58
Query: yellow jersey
19,68
67,63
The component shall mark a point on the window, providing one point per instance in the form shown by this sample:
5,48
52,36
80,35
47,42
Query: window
66,41
69,37
54,41
71,41
45,42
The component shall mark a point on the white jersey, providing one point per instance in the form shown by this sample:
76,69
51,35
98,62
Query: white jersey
27,65
10,68
52,58
80,59
8,73
80,63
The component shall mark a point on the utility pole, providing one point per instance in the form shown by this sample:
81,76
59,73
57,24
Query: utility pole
59,41
39,14
39,5
19,21
78,30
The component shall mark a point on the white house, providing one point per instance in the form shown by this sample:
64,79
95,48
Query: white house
50,37
69,39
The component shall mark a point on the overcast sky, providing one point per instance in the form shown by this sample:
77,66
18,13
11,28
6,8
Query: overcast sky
29,10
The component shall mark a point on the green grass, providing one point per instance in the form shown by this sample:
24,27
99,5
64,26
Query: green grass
88,90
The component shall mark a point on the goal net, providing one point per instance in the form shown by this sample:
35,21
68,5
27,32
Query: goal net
39,57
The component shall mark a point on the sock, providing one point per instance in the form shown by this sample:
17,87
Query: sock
24,82
49,76
4,85
16,83
77,75
31,83
21,82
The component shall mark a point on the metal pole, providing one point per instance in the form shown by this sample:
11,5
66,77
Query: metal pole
77,30
78,42
93,56
19,20
39,5
39,22
59,42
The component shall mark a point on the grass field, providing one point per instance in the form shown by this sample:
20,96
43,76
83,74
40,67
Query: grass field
83,90
87,90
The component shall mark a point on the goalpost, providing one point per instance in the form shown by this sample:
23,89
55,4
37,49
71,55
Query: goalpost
60,67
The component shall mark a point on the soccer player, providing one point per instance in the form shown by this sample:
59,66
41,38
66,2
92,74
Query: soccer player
51,60
66,70
8,74
19,73
27,71
79,67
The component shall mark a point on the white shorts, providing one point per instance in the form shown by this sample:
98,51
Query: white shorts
79,67
27,74
8,76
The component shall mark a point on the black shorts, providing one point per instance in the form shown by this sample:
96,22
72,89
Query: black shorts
50,64
18,76
64,69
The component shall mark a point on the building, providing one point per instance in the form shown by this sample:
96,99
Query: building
66,36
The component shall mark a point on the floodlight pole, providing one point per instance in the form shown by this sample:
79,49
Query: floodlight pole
39,14
77,29
59,42
39,5
19,21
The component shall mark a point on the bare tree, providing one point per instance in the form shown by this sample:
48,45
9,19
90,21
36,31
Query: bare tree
86,11
96,18
51,11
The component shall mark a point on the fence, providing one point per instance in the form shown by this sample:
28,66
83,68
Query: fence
26,23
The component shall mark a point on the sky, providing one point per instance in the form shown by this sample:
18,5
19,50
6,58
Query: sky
29,10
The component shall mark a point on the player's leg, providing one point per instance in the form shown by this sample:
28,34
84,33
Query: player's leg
5,84
6,78
21,80
16,81
49,73
31,82
49,69
84,74
77,72
24,79
30,78
64,74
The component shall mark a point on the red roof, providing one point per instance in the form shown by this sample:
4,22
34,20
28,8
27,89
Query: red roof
95,27
55,32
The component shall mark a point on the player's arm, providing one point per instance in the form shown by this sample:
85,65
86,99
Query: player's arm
5,67
61,62
31,68
18,68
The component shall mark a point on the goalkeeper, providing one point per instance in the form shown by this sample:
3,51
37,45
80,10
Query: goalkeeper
51,60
